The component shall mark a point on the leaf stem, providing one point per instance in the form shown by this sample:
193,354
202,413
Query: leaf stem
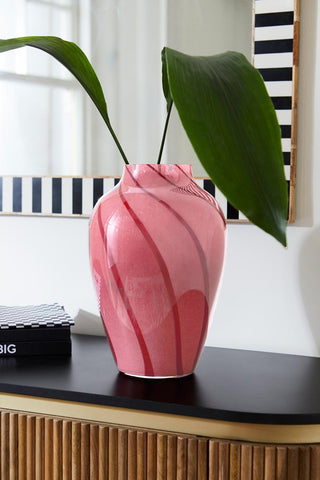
114,136
164,132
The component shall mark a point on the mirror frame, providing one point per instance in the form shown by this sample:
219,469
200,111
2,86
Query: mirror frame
275,54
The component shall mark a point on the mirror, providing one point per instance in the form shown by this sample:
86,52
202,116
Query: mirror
48,127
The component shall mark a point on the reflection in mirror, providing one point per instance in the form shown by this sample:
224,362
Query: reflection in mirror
47,125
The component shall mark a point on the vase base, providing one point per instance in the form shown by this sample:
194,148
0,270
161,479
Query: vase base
157,377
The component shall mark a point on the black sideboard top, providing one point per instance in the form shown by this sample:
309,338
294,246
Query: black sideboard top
231,385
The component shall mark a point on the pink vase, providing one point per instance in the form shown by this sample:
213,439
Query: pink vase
157,243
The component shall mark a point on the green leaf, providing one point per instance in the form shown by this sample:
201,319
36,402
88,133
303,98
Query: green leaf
73,58
231,122
165,84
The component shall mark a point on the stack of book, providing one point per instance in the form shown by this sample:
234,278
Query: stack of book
34,330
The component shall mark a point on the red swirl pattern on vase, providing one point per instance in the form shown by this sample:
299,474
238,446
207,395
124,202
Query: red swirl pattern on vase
157,244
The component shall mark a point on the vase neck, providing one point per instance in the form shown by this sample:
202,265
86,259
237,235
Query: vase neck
147,175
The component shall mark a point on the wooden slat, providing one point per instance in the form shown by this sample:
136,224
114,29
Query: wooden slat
39,448
57,449
141,455
181,458
304,463
161,456
192,459
103,453
113,453
202,459
75,450
235,458
4,446
269,463
85,451
246,462
213,460
13,446
293,463
122,454
22,447
315,462
67,449
48,448
31,448
151,456
258,462
94,451
281,467
132,454
171,457
224,460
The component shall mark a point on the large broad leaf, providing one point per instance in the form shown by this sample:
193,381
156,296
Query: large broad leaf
165,83
73,58
230,120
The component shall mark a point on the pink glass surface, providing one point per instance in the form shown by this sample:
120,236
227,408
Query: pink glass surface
157,243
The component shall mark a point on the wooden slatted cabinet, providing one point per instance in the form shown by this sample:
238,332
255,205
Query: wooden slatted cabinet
47,447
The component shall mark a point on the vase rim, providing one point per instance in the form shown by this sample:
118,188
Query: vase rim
157,165
158,174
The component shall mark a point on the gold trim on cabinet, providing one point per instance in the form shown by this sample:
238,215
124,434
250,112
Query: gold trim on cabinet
251,432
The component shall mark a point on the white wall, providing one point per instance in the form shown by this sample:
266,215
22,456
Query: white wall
270,297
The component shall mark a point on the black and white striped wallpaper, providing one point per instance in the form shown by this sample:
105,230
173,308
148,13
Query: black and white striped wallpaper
274,32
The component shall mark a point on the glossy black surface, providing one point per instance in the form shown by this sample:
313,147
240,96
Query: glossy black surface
232,385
